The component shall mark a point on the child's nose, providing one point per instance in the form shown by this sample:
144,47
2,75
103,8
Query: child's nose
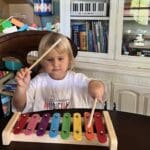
56,62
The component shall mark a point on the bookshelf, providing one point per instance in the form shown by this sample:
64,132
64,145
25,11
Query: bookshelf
125,74
117,22
92,24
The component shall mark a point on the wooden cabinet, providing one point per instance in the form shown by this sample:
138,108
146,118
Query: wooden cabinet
128,91
131,98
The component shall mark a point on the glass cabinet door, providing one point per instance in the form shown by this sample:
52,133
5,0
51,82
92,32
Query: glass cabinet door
133,42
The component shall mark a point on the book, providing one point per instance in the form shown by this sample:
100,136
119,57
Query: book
94,37
83,40
79,35
10,85
90,41
75,29
98,32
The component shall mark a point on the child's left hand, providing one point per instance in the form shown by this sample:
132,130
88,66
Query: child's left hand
96,89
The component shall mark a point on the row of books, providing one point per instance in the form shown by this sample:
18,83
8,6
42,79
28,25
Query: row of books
10,85
91,36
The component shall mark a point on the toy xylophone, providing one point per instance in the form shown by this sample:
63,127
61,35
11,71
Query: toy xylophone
64,128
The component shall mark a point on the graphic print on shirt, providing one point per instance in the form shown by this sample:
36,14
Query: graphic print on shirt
57,98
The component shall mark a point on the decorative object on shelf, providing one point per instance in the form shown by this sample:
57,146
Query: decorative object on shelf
43,7
3,73
13,24
12,63
88,8
139,41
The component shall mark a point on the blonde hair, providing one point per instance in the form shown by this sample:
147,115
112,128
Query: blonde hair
64,46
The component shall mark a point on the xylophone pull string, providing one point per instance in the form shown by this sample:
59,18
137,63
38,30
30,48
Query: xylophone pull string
92,113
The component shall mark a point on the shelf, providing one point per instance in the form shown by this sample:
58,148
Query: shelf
16,1
89,18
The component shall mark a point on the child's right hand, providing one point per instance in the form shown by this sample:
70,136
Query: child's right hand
23,77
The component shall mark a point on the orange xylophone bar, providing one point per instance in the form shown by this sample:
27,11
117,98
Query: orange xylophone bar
25,128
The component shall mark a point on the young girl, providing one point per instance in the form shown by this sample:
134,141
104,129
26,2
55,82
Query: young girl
57,86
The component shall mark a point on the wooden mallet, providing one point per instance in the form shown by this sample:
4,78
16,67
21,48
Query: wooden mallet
92,113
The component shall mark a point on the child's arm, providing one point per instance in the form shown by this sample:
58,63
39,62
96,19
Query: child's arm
23,80
96,89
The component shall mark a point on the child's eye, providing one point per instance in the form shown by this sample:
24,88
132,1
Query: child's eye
50,59
61,58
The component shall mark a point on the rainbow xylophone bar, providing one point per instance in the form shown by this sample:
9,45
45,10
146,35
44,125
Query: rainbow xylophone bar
70,128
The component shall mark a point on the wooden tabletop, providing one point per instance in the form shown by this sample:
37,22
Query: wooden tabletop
133,133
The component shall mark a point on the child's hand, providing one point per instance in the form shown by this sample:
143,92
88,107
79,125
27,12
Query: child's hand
23,77
96,90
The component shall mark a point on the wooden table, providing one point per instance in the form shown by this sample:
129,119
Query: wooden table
133,133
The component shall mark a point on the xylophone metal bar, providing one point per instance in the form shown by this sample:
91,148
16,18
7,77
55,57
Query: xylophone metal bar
8,136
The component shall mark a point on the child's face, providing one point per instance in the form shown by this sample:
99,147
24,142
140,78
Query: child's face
56,64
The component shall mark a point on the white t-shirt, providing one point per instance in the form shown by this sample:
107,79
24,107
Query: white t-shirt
45,93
